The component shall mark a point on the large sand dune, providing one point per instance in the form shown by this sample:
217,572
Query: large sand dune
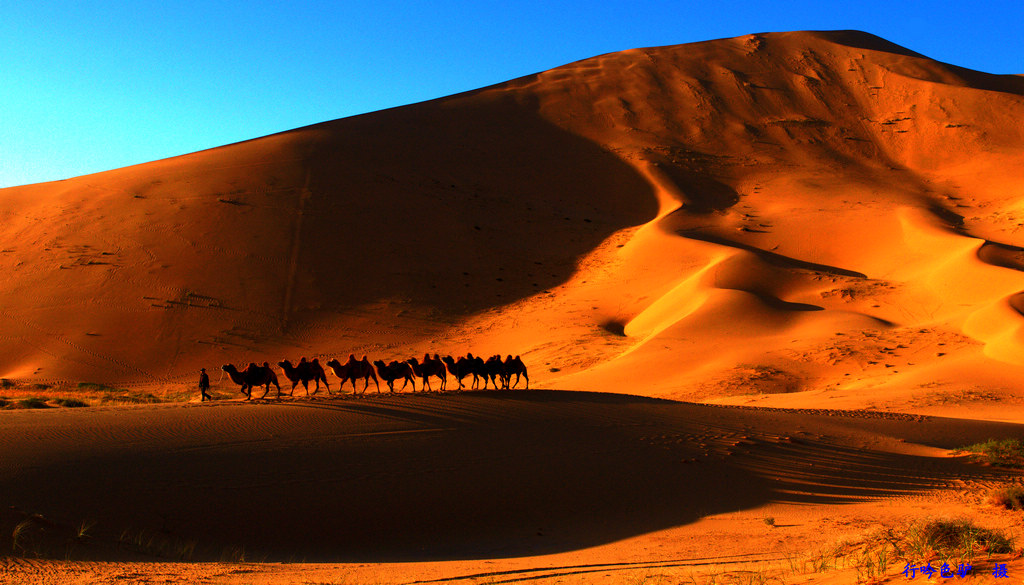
811,220
822,212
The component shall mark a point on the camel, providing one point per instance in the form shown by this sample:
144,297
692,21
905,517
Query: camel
429,367
461,368
479,369
253,376
493,369
393,371
319,375
305,372
353,370
514,366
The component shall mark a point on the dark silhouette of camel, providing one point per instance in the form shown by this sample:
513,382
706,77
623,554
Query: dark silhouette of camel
305,372
461,368
478,367
430,367
353,370
492,370
393,371
319,375
514,366
253,376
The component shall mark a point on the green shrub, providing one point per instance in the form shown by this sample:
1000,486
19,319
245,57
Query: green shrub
94,387
71,402
32,403
1004,453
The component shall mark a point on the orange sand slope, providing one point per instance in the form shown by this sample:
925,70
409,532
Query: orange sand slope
820,217
466,476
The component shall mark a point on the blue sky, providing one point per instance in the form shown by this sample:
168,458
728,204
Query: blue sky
91,86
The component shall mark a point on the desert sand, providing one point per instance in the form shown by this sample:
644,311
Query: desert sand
774,276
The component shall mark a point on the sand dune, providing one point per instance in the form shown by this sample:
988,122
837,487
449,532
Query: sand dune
614,221
809,220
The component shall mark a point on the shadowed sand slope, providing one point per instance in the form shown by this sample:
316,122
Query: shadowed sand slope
810,216
475,475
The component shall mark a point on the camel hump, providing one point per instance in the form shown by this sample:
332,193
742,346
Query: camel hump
316,360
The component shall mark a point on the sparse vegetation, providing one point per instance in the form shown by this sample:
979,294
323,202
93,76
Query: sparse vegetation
999,453
952,541
157,544
94,387
1011,498
33,402
770,521
71,402
129,397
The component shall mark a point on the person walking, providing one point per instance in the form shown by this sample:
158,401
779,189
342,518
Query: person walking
204,385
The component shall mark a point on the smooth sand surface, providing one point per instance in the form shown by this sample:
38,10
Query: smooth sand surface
810,220
425,480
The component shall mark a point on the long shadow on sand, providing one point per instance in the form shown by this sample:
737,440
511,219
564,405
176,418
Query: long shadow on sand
471,475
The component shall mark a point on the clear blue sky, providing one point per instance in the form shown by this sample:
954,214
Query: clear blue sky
90,86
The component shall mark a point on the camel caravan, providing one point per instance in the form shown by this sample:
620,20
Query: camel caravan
493,370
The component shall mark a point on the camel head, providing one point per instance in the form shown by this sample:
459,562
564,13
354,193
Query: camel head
448,360
285,364
229,368
334,364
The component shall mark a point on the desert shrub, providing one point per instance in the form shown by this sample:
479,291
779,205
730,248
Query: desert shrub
925,540
1011,498
130,397
1001,453
94,387
5,383
32,403
71,402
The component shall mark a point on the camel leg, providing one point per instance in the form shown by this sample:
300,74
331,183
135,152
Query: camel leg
527,380
267,391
